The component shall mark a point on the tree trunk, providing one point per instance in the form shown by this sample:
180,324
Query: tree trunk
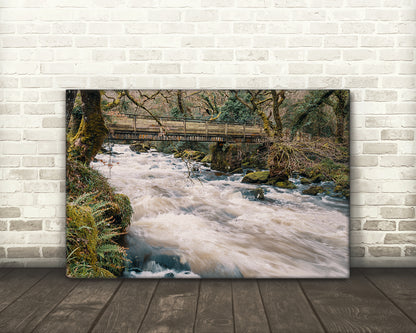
277,101
69,104
92,130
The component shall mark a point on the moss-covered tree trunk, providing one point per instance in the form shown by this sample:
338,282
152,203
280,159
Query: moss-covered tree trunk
92,130
69,104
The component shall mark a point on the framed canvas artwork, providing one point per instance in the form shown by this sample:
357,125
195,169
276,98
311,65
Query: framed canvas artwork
207,183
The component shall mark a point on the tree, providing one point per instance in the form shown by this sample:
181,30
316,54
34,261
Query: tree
92,130
310,112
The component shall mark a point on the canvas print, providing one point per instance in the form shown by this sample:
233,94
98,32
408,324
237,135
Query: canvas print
207,183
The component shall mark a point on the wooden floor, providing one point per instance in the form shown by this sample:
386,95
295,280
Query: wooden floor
43,300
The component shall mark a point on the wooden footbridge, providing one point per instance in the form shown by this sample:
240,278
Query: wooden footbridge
145,128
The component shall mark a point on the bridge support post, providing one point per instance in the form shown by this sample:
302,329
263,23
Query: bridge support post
134,124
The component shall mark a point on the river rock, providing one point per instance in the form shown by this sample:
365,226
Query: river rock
140,147
259,177
314,190
259,193
305,181
285,184
238,170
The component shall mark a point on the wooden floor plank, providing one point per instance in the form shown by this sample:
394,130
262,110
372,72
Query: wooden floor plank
354,305
399,285
215,308
30,309
249,315
287,308
78,311
17,282
173,307
4,271
126,310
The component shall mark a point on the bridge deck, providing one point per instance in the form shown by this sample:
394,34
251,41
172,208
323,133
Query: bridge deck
144,129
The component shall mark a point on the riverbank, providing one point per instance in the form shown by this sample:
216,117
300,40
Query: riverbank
97,219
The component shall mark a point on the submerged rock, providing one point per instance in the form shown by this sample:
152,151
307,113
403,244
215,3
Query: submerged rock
259,177
314,190
259,193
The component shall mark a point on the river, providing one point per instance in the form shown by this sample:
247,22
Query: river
211,224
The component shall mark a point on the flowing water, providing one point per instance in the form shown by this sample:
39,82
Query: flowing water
210,224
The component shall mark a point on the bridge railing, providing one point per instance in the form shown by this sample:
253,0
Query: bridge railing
184,126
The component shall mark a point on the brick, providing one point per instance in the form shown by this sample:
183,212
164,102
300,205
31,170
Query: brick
90,41
380,225
399,82
357,28
379,148
141,28
223,28
395,134
53,122
341,41
10,135
2,253
196,15
249,28
163,68
55,41
383,251
355,225
377,41
53,252
407,225
30,225
108,55
39,109
22,174
10,186
410,251
41,187
357,251
164,15
177,28
218,55
381,121
285,28
324,82
364,161
322,28
410,200
9,212
23,252
400,238
305,68
360,82
396,55
342,69
52,174
43,134
305,41
324,54
236,42
144,55
252,55
397,212
9,161
3,225
359,54
397,161
200,41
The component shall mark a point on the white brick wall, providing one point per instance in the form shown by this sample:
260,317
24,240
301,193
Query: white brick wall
366,46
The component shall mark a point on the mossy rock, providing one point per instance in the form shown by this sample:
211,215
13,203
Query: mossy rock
286,184
314,190
259,177
259,193
140,147
318,178
305,181
125,211
178,154
238,170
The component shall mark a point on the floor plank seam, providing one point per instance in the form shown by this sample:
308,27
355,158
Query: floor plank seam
312,307
264,308
386,296
232,306
33,285
7,273
196,308
148,306
56,305
94,323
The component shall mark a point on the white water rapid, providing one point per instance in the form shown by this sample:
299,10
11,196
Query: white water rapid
213,226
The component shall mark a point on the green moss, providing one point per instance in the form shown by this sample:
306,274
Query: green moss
258,177
125,211
207,159
286,184
305,181
82,235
